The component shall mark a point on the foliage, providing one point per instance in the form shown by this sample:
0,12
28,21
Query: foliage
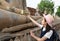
46,5
58,11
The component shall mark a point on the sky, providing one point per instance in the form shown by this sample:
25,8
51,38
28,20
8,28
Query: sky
33,3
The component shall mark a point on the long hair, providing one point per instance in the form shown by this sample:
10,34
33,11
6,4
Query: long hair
48,27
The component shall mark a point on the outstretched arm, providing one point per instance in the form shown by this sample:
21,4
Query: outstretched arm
35,22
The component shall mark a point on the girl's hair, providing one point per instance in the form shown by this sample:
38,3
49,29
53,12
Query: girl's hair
48,28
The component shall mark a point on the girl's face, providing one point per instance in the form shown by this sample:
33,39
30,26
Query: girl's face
44,22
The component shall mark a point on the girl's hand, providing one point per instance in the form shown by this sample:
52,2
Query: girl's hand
35,37
39,40
29,16
31,33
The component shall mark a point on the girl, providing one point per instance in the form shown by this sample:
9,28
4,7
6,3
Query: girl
47,33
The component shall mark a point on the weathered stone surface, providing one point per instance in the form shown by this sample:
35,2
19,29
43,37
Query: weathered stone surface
9,19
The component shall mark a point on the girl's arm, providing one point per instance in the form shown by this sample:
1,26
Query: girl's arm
46,36
39,25
38,38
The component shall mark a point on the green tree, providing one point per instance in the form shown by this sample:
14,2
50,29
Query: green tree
58,11
46,5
